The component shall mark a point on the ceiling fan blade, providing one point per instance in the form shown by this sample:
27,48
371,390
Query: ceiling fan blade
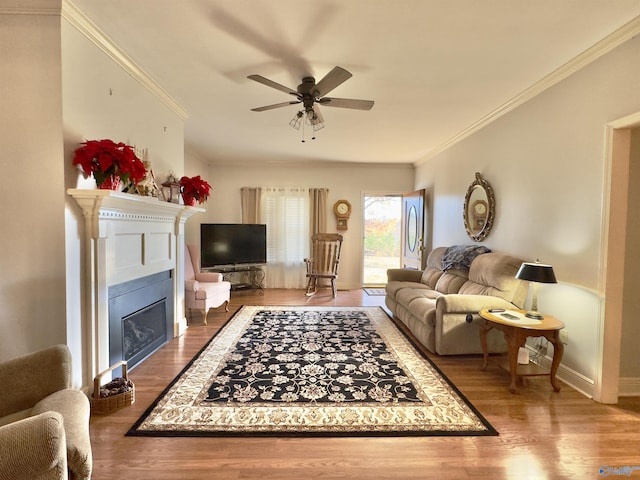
331,80
272,84
346,103
276,105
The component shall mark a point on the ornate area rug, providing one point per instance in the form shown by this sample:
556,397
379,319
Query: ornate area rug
283,370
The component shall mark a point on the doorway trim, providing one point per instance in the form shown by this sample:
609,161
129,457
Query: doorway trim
612,258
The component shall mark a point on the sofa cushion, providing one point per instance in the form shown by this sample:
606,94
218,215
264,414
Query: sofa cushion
430,276
392,288
433,270
406,295
451,281
422,307
494,274
73,405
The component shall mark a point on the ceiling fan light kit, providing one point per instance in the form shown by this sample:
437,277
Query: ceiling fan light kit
296,121
311,95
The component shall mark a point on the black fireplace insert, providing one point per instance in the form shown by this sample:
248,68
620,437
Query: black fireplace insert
140,317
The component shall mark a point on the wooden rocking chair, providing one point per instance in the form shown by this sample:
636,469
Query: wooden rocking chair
324,261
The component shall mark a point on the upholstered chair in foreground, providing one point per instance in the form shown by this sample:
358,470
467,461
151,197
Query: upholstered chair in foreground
203,290
44,422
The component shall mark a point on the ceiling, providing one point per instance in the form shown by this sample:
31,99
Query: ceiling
434,68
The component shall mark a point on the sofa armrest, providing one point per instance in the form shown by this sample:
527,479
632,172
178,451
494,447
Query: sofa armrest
74,407
404,275
457,324
461,303
28,379
34,447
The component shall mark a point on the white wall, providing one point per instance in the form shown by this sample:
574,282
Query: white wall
546,163
344,181
102,100
32,284
194,165
45,60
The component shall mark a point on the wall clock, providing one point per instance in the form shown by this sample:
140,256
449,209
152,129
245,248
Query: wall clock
479,213
480,207
342,210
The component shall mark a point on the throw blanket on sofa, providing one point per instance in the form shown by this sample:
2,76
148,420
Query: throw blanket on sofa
459,257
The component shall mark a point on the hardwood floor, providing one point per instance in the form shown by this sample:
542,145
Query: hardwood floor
543,435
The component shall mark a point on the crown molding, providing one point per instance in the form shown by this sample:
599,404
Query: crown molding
300,164
80,22
29,11
604,46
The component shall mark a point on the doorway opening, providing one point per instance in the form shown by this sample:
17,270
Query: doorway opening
382,237
614,259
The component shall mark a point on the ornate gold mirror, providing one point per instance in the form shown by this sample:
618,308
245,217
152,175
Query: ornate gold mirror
479,209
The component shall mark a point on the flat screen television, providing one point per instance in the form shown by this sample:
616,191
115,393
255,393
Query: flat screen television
229,244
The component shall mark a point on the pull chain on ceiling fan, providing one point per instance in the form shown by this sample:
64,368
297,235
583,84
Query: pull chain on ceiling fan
311,95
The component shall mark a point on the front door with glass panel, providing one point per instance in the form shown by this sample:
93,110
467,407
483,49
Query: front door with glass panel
413,229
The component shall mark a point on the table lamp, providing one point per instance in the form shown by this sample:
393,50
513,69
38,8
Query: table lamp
537,273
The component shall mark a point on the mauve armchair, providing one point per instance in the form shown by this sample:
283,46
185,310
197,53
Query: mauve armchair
202,290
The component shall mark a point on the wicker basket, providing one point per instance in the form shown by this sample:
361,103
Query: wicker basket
107,405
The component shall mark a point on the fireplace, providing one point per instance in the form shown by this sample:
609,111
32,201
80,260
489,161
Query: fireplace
140,317
133,245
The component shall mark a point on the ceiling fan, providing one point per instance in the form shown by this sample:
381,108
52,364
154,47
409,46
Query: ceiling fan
312,94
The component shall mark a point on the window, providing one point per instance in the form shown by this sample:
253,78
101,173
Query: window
285,211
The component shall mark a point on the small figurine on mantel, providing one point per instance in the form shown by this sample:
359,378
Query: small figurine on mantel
171,189
148,186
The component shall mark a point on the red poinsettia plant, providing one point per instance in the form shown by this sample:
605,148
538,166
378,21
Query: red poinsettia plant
195,187
105,159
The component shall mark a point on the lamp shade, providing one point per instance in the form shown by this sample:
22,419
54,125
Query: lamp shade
536,272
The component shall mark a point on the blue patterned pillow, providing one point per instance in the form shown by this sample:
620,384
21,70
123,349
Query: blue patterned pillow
459,257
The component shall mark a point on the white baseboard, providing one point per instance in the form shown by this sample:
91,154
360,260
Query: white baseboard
569,376
629,387
575,380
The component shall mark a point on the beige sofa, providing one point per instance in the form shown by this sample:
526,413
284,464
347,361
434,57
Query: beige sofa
44,423
440,305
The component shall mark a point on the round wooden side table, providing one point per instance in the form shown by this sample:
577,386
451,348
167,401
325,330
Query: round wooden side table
516,331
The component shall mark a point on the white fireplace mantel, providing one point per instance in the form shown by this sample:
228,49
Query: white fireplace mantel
127,237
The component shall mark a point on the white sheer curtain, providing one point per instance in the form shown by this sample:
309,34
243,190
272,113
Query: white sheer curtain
285,211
